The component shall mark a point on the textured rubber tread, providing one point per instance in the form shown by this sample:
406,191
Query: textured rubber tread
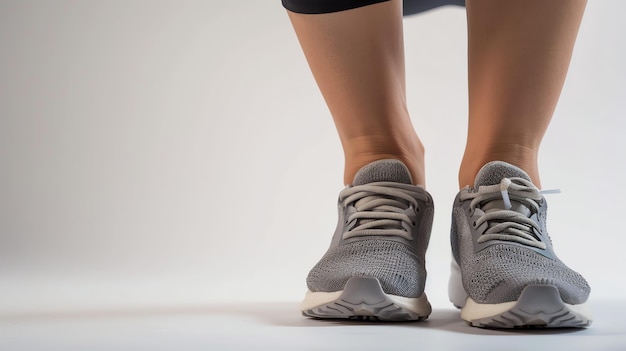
364,299
539,306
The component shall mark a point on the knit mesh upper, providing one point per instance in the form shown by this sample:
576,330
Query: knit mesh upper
391,251
395,264
499,273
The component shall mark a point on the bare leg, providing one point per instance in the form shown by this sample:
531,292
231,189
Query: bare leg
357,59
519,53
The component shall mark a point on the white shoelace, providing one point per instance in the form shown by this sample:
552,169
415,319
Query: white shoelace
508,224
381,208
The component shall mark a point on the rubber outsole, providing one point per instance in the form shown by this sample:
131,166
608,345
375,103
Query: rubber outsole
363,299
539,306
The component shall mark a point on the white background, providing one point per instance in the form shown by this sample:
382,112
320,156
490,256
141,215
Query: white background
179,152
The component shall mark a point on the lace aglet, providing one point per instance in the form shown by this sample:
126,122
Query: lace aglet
504,186
506,199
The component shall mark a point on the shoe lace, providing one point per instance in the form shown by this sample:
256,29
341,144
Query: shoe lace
380,208
509,224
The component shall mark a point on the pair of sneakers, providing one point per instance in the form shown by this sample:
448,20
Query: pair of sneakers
505,273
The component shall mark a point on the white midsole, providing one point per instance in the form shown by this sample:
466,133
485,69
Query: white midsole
316,299
417,305
456,292
473,310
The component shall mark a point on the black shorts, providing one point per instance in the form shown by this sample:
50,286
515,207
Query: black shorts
328,6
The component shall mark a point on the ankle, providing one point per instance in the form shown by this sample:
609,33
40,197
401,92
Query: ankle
517,155
365,150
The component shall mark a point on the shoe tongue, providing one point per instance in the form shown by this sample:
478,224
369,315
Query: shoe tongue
493,172
383,171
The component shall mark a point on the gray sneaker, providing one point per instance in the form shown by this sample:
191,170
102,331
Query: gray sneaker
504,271
374,268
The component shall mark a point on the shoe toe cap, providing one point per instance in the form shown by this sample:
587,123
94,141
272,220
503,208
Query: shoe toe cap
395,265
500,274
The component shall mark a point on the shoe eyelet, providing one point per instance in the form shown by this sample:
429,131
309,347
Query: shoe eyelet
474,224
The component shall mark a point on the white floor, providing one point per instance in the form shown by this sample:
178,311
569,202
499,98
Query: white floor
279,326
